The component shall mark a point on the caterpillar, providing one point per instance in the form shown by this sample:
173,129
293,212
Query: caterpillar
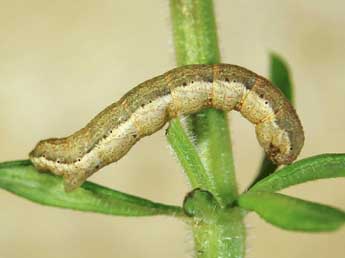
180,91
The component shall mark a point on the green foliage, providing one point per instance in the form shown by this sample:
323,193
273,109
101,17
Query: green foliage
280,76
312,168
188,156
292,213
21,178
200,203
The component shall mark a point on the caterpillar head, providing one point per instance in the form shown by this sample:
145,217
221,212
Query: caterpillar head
281,144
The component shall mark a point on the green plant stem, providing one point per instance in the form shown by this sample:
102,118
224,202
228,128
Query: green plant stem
222,238
195,39
217,231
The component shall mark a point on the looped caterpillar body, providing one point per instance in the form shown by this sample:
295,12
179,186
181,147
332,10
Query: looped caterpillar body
180,91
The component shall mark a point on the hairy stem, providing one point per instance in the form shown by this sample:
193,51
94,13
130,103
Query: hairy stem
195,39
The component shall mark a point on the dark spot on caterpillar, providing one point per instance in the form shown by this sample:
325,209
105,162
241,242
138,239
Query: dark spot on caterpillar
249,83
261,95
210,80
234,81
290,148
134,136
78,159
58,161
184,84
142,105
227,79
111,131
192,81
266,102
97,166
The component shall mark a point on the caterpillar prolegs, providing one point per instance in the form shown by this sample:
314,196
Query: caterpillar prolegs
180,91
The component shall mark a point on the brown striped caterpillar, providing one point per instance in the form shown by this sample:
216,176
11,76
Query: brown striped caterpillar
146,108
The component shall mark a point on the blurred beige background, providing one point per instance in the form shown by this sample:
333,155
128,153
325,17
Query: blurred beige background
61,62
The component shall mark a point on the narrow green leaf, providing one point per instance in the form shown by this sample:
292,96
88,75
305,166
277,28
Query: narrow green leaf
292,213
195,39
21,178
280,77
188,155
312,168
